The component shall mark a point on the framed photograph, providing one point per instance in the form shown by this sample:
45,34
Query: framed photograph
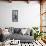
14,15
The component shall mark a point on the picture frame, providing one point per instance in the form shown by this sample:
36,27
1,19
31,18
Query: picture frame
14,15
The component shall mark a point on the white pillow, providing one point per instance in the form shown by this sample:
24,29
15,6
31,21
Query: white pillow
23,31
5,32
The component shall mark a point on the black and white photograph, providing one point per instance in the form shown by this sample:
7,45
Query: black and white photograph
14,15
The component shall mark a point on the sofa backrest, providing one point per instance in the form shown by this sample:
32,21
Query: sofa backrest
25,31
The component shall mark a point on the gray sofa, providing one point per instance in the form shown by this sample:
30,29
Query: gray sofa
17,35
22,38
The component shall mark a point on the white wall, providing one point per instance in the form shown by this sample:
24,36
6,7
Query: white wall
28,14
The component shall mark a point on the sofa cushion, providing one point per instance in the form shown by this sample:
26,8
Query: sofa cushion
20,37
11,30
17,30
23,31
